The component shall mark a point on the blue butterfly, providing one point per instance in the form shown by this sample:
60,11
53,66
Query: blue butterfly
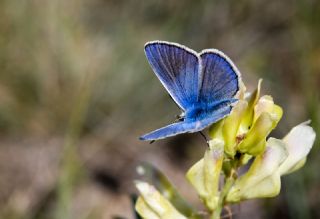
204,85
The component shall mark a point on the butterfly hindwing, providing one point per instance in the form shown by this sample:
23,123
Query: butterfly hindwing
220,77
189,126
178,70
167,131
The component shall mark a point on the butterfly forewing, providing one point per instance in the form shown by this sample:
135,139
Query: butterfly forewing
178,70
220,78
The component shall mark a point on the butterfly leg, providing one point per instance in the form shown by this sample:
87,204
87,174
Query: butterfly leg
205,138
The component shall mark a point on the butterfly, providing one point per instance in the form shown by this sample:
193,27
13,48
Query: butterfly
204,85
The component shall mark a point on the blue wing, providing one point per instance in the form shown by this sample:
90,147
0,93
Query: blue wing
209,78
189,126
177,67
219,77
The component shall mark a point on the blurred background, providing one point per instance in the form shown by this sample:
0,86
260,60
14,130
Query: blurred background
76,91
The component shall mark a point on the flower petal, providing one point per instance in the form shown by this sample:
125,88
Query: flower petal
152,205
242,91
231,125
266,117
144,209
263,178
255,140
248,115
215,130
150,174
266,104
204,175
298,142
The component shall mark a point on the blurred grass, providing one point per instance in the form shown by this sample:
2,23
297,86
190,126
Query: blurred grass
81,63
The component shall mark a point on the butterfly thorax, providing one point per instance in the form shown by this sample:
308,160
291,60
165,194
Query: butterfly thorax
202,110
197,111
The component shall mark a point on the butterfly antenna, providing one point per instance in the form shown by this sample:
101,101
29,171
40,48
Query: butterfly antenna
205,137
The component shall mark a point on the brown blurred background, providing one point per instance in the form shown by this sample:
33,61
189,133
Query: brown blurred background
76,91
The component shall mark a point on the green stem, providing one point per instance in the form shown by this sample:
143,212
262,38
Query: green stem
227,186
